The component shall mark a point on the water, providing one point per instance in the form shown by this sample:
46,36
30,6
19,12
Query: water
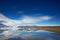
33,35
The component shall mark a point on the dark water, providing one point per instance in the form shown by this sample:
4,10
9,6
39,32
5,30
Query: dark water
35,35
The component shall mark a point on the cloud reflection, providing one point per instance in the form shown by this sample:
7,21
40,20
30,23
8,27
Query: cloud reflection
25,35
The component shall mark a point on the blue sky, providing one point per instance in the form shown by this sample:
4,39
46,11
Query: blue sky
30,12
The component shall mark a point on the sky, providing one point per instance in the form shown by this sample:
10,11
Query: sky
30,12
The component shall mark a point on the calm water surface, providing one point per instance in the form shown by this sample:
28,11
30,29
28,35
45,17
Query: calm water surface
34,35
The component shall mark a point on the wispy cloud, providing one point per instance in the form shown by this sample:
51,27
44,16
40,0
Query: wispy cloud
20,12
45,17
27,19
8,21
24,20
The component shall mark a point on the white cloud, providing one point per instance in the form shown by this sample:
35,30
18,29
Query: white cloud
24,20
28,19
45,17
9,22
